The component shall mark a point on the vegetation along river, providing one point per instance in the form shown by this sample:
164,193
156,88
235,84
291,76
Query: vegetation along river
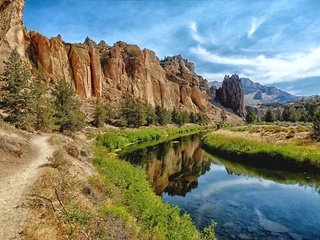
245,202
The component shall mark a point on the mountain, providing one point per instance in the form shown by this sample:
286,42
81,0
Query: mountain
256,93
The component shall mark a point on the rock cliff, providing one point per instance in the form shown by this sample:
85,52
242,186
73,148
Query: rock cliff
107,71
231,94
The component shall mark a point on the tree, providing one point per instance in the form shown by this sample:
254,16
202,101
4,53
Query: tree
269,117
133,112
100,113
250,117
316,123
41,105
151,115
293,114
163,115
67,113
16,92
176,116
185,117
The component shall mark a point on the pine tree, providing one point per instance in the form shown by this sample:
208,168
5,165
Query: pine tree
133,112
250,117
100,113
163,115
185,117
42,109
16,92
151,115
176,117
67,114
269,117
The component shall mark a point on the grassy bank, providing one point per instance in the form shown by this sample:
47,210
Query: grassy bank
115,139
263,154
132,199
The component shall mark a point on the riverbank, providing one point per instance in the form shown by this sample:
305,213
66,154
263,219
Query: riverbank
248,146
117,139
132,199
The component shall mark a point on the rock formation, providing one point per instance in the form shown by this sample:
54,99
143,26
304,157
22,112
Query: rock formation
231,94
12,32
107,71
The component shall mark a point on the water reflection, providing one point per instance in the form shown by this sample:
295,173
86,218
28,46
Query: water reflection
246,202
172,167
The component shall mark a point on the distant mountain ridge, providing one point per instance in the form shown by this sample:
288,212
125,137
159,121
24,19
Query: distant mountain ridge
256,93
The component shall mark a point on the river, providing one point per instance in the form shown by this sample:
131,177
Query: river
245,202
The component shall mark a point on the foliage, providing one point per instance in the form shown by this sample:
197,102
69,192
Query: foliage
264,154
250,117
269,117
67,113
133,112
16,91
100,113
163,115
133,199
41,104
114,139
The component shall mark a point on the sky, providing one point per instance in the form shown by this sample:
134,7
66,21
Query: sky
273,42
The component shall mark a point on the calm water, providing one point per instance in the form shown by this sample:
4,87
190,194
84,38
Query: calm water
246,202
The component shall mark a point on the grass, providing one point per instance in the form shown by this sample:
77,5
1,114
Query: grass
116,139
264,154
133,200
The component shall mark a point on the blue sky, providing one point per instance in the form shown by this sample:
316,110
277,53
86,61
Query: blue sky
272,42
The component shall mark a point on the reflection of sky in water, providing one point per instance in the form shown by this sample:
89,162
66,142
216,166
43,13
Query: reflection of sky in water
252,208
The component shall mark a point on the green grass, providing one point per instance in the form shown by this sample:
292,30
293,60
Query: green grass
133,200
116,139
264,154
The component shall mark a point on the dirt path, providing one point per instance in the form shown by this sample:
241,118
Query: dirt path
13,189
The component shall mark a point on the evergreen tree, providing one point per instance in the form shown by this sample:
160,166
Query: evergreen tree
151,115
67,113
250,117
286,114
100,113
185,117
269,117
176,116
316,123
201,118
41,105
163,115
133,112
293,114
278,115
16,92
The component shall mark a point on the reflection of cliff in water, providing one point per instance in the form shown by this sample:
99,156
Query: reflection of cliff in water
173,167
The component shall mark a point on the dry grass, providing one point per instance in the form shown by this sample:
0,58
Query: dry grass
273,133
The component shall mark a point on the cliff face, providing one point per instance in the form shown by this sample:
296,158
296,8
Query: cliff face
12,32
102,70
106,71
231,94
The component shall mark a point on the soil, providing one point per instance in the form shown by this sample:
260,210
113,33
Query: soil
16,183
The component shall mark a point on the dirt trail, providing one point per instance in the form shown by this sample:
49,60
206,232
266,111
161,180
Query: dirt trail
13,189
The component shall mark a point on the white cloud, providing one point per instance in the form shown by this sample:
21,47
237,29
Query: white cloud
280,68
194,33
255,24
